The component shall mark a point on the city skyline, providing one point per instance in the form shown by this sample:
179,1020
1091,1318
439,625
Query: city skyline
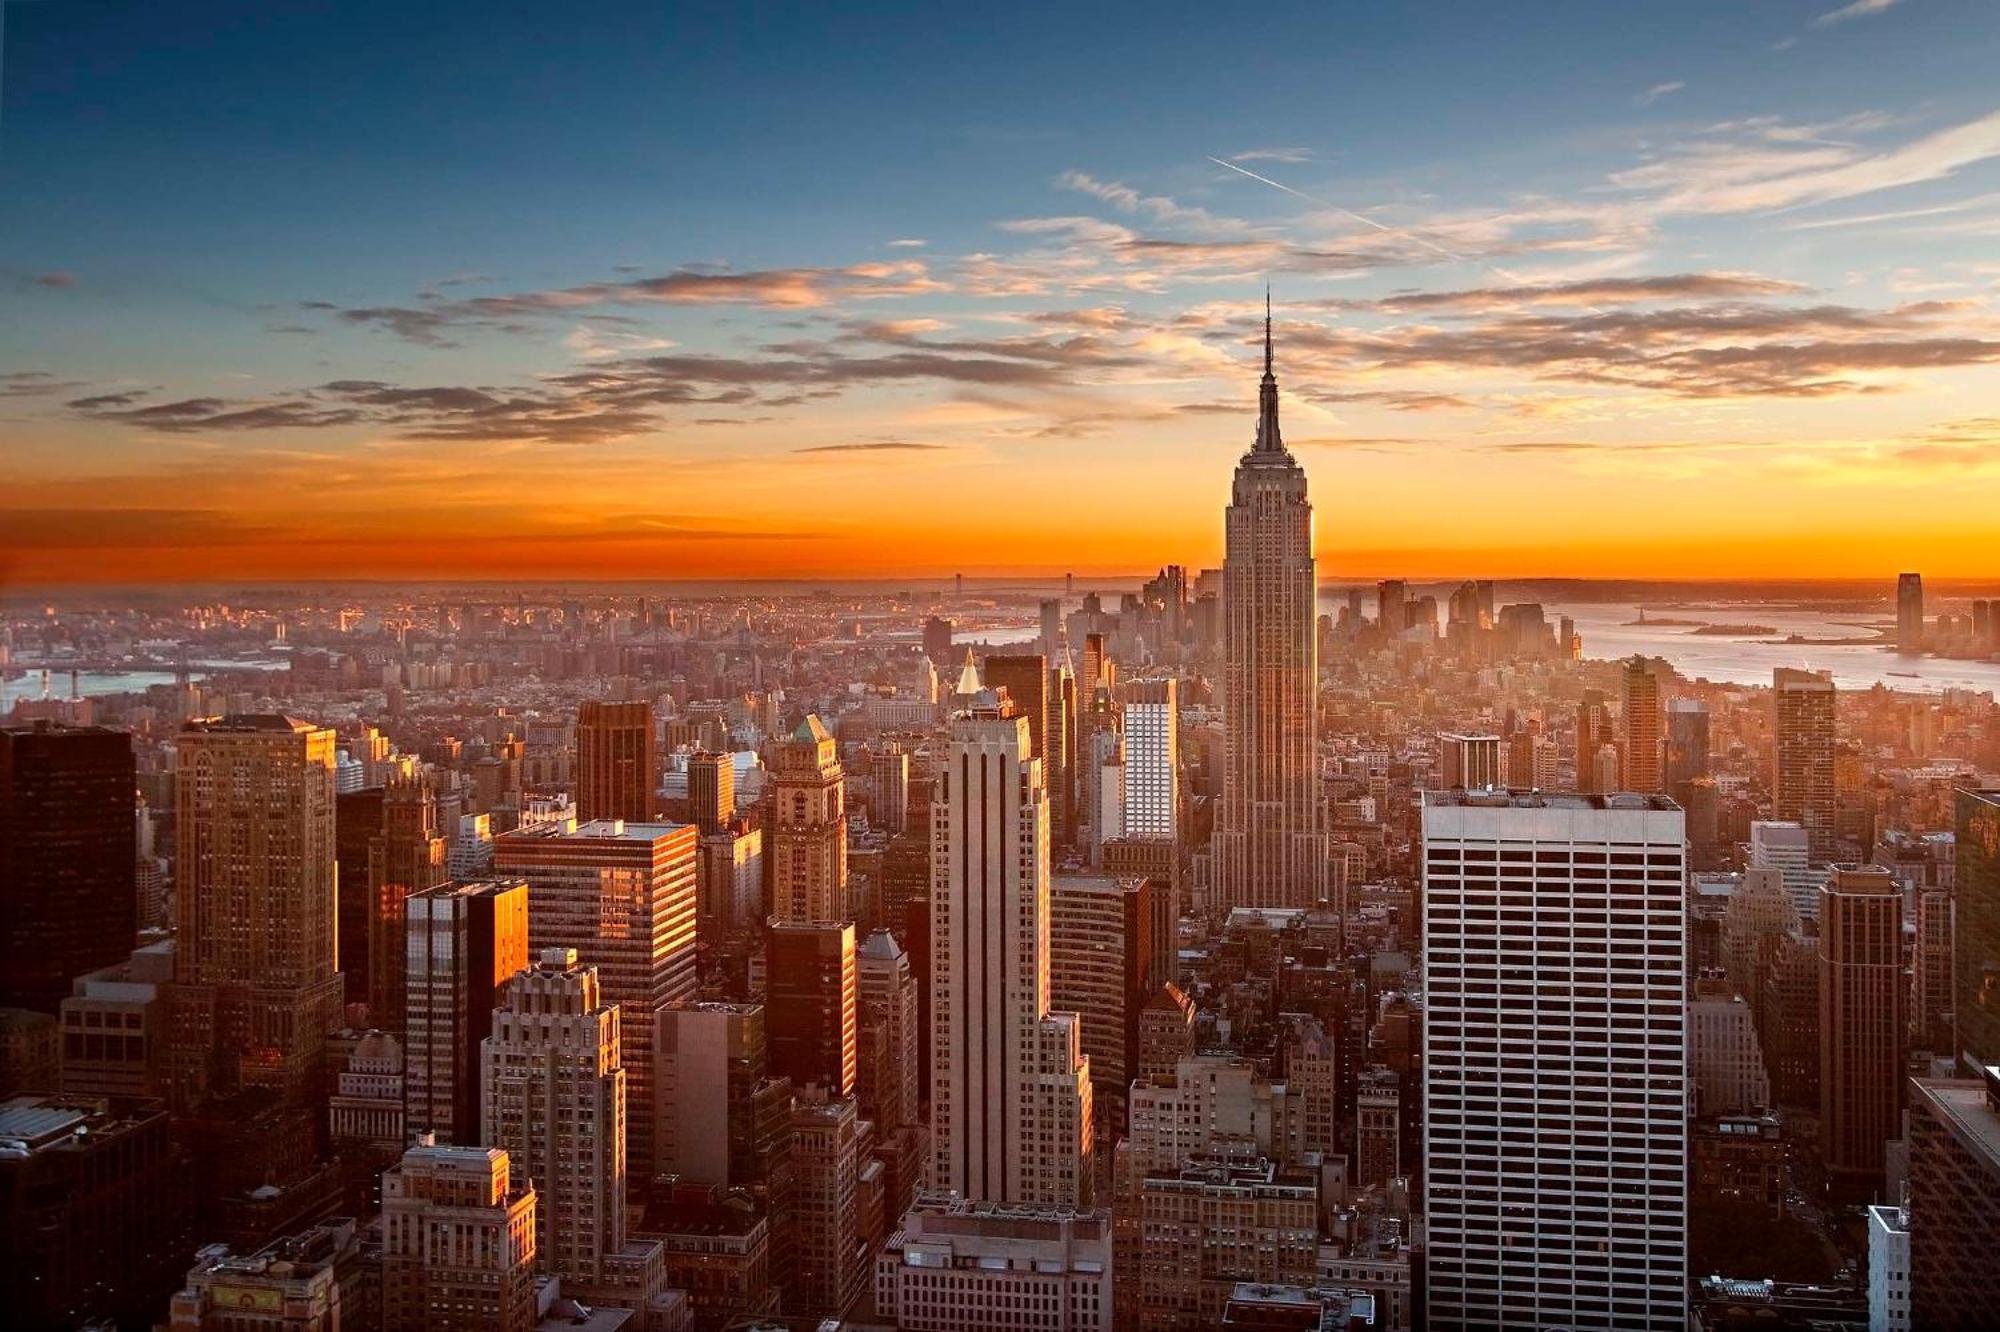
1522,271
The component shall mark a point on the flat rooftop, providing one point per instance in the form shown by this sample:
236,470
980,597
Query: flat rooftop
1498,797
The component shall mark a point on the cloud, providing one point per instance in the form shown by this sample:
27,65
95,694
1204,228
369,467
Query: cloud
31,383
908,243
1859,9
1763,165
1898,215
1292,156
779,289
1594,291
1657,91
876,446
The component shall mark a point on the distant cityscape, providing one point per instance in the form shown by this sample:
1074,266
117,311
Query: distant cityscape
1220,952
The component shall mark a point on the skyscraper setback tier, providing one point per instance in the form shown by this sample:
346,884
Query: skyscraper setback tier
1270,841
68,856
1555,962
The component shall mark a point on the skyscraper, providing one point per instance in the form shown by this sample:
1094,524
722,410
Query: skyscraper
623,896
809,1003
463,943
255,990
1270,842
886,989
1862,1033
1010,1086
1802,752
1641,717
615,761
458,1242
1551,1049
407,856
711,790
1470,762
68,857
1101,956
1152,773
554,1101
1909,612
1975,928
808,835
1687,745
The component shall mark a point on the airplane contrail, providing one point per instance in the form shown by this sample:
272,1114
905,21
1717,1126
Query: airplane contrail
1420,239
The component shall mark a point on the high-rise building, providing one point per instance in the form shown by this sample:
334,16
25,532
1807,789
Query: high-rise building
1469,762
464,942
1549,1049
1862,1025
1909,612
1593,732
1724,1058
615,761
1025,678
1802,756
68,858
1759,916
954,1266
297,1283
937,640
1270,842
255,987
1010,1086
1930,973
623,896
1101,968
711,790
827,1158
889,788
1209,1225
1785,847
458,1242
94,1222
554,1101
1152,772
407,856
809,1003
808,832
730,894
1642,721
1378,1128
886,987
1975,928
1954,1200
357,822
1687,744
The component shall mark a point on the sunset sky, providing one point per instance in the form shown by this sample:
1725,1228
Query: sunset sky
404,290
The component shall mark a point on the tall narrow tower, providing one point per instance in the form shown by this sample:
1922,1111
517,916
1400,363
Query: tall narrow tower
808,835
1270,838
1010,1084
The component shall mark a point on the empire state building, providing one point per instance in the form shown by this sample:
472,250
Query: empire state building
1270,840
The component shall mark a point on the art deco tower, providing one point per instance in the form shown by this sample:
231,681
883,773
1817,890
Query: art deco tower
1270,843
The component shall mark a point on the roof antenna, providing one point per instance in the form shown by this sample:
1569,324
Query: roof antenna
1267,328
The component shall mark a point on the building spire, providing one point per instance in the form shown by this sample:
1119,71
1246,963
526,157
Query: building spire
1268,440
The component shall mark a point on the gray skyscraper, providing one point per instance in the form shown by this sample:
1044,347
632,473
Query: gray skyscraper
1270,845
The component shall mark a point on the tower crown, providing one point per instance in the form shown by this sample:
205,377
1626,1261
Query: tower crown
1268,439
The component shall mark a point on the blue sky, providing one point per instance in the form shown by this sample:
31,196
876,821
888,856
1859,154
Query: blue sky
245,204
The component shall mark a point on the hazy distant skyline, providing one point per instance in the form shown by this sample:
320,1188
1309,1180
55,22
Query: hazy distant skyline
362,290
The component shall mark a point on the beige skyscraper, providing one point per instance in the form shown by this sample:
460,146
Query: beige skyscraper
555,1103
1010,1086
255,987
808,835
458,1242
1270,842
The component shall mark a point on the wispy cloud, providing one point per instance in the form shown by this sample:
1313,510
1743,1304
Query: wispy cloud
1291,155
1859,9
1657,91
876,446
908,243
